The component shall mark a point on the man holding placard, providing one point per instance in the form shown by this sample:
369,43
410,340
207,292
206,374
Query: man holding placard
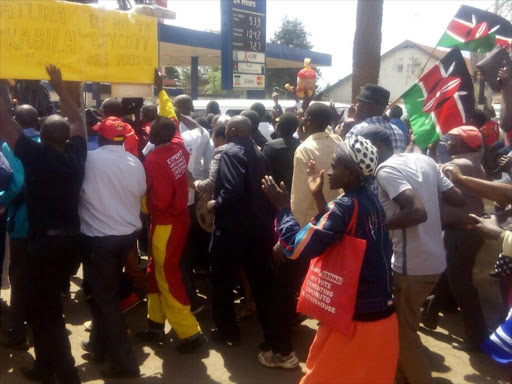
54,172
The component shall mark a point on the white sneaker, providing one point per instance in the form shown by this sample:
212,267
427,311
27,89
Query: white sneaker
275,360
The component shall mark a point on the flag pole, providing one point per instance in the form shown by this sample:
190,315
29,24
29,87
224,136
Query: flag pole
428,59
395,102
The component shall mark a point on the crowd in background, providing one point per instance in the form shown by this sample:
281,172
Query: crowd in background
249,201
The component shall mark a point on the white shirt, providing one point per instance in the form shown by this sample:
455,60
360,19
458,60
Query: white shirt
266,129
113,186
197,142
417,250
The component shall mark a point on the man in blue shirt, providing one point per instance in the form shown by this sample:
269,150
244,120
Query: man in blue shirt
395,115
13,198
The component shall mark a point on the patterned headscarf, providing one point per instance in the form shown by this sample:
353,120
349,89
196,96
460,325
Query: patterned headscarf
362,152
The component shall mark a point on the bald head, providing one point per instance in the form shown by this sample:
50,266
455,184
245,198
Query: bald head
55,132
111,107
27,116
238,126
149,112
253,117
184,104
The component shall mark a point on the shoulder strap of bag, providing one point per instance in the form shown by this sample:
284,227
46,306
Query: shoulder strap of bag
351,229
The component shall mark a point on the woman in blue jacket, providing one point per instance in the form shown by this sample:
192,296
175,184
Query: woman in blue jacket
369,352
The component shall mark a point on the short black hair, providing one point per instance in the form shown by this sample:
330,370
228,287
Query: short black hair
213,107
288,123
166,127
253,117
219,130
259,108
320,113
479,118
112,107
396,112
377,135
202,122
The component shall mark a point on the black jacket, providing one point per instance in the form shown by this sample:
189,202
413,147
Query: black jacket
241,205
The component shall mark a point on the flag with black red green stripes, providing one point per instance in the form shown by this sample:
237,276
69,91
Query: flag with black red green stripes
476,30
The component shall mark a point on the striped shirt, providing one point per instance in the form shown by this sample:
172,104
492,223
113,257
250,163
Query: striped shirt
397,137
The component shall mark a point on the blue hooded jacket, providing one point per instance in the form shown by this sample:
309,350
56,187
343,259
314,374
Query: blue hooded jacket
11,198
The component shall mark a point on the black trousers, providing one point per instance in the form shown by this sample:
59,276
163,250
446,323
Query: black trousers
461,247
288,280
18,277
253,253
50,260
195,252
103,268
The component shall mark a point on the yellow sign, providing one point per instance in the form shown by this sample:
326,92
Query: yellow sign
88,44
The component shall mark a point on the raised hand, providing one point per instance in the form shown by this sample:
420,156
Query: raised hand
488,227
159,81
336,117
315,179
277,196
505,74
452,172
55,78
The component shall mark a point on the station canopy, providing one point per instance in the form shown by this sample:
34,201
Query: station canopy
178,45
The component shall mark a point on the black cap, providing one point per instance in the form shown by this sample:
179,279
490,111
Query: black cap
374,94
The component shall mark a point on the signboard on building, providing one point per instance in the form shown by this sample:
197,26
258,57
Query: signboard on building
243,35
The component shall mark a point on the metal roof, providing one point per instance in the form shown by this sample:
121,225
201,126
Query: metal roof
178,45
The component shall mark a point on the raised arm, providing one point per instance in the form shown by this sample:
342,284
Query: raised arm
74,116
494,191
10,130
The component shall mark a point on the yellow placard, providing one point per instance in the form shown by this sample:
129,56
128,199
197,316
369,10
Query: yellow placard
88,44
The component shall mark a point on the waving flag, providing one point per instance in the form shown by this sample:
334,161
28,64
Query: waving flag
442,99
476,30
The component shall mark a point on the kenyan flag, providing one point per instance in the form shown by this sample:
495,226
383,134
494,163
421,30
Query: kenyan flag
475,30
441,99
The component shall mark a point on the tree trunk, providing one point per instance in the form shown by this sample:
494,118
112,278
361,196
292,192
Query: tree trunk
367,41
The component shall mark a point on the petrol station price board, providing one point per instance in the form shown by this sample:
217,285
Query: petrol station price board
243,36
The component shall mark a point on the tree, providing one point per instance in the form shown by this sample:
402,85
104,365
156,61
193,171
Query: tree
291,34
172,73
214,79
367,42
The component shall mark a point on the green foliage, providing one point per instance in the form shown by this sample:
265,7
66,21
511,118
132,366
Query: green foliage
172,73
214,80
292,34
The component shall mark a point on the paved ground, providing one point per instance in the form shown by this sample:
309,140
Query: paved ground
214,364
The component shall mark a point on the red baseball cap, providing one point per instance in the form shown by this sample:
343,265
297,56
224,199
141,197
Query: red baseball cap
471,135
112,128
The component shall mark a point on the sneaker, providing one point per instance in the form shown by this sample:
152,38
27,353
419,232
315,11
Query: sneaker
192,343
151,336
466,346
88,326
275,360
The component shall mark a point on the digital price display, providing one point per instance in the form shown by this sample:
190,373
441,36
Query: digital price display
243,44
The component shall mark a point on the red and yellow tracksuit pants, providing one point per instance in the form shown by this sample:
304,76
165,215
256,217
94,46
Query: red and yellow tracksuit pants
167,296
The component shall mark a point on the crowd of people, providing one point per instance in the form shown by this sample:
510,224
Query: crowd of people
243,199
